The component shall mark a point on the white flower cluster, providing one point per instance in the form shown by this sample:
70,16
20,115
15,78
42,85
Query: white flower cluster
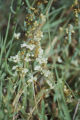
18,68
38,68
15,58
41,60
31,59
28,46
46,73
32,78
43,18
38,36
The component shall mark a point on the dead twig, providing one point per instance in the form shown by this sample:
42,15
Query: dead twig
76,109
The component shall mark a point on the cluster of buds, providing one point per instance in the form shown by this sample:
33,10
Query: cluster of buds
76,8
68,94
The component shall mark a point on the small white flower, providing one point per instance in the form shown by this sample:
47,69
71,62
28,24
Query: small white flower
46,73
23,45
41,60
32,55
31,47
40,52
43,17
32,79
27,59
42,35
14,67
28,54
38,36
17,35
15,58
59,60
25,70
38,67
15,74
50,84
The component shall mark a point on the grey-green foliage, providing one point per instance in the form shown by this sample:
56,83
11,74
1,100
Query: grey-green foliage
42,114
60,98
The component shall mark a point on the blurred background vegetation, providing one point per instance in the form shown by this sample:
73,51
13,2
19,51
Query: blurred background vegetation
61,43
